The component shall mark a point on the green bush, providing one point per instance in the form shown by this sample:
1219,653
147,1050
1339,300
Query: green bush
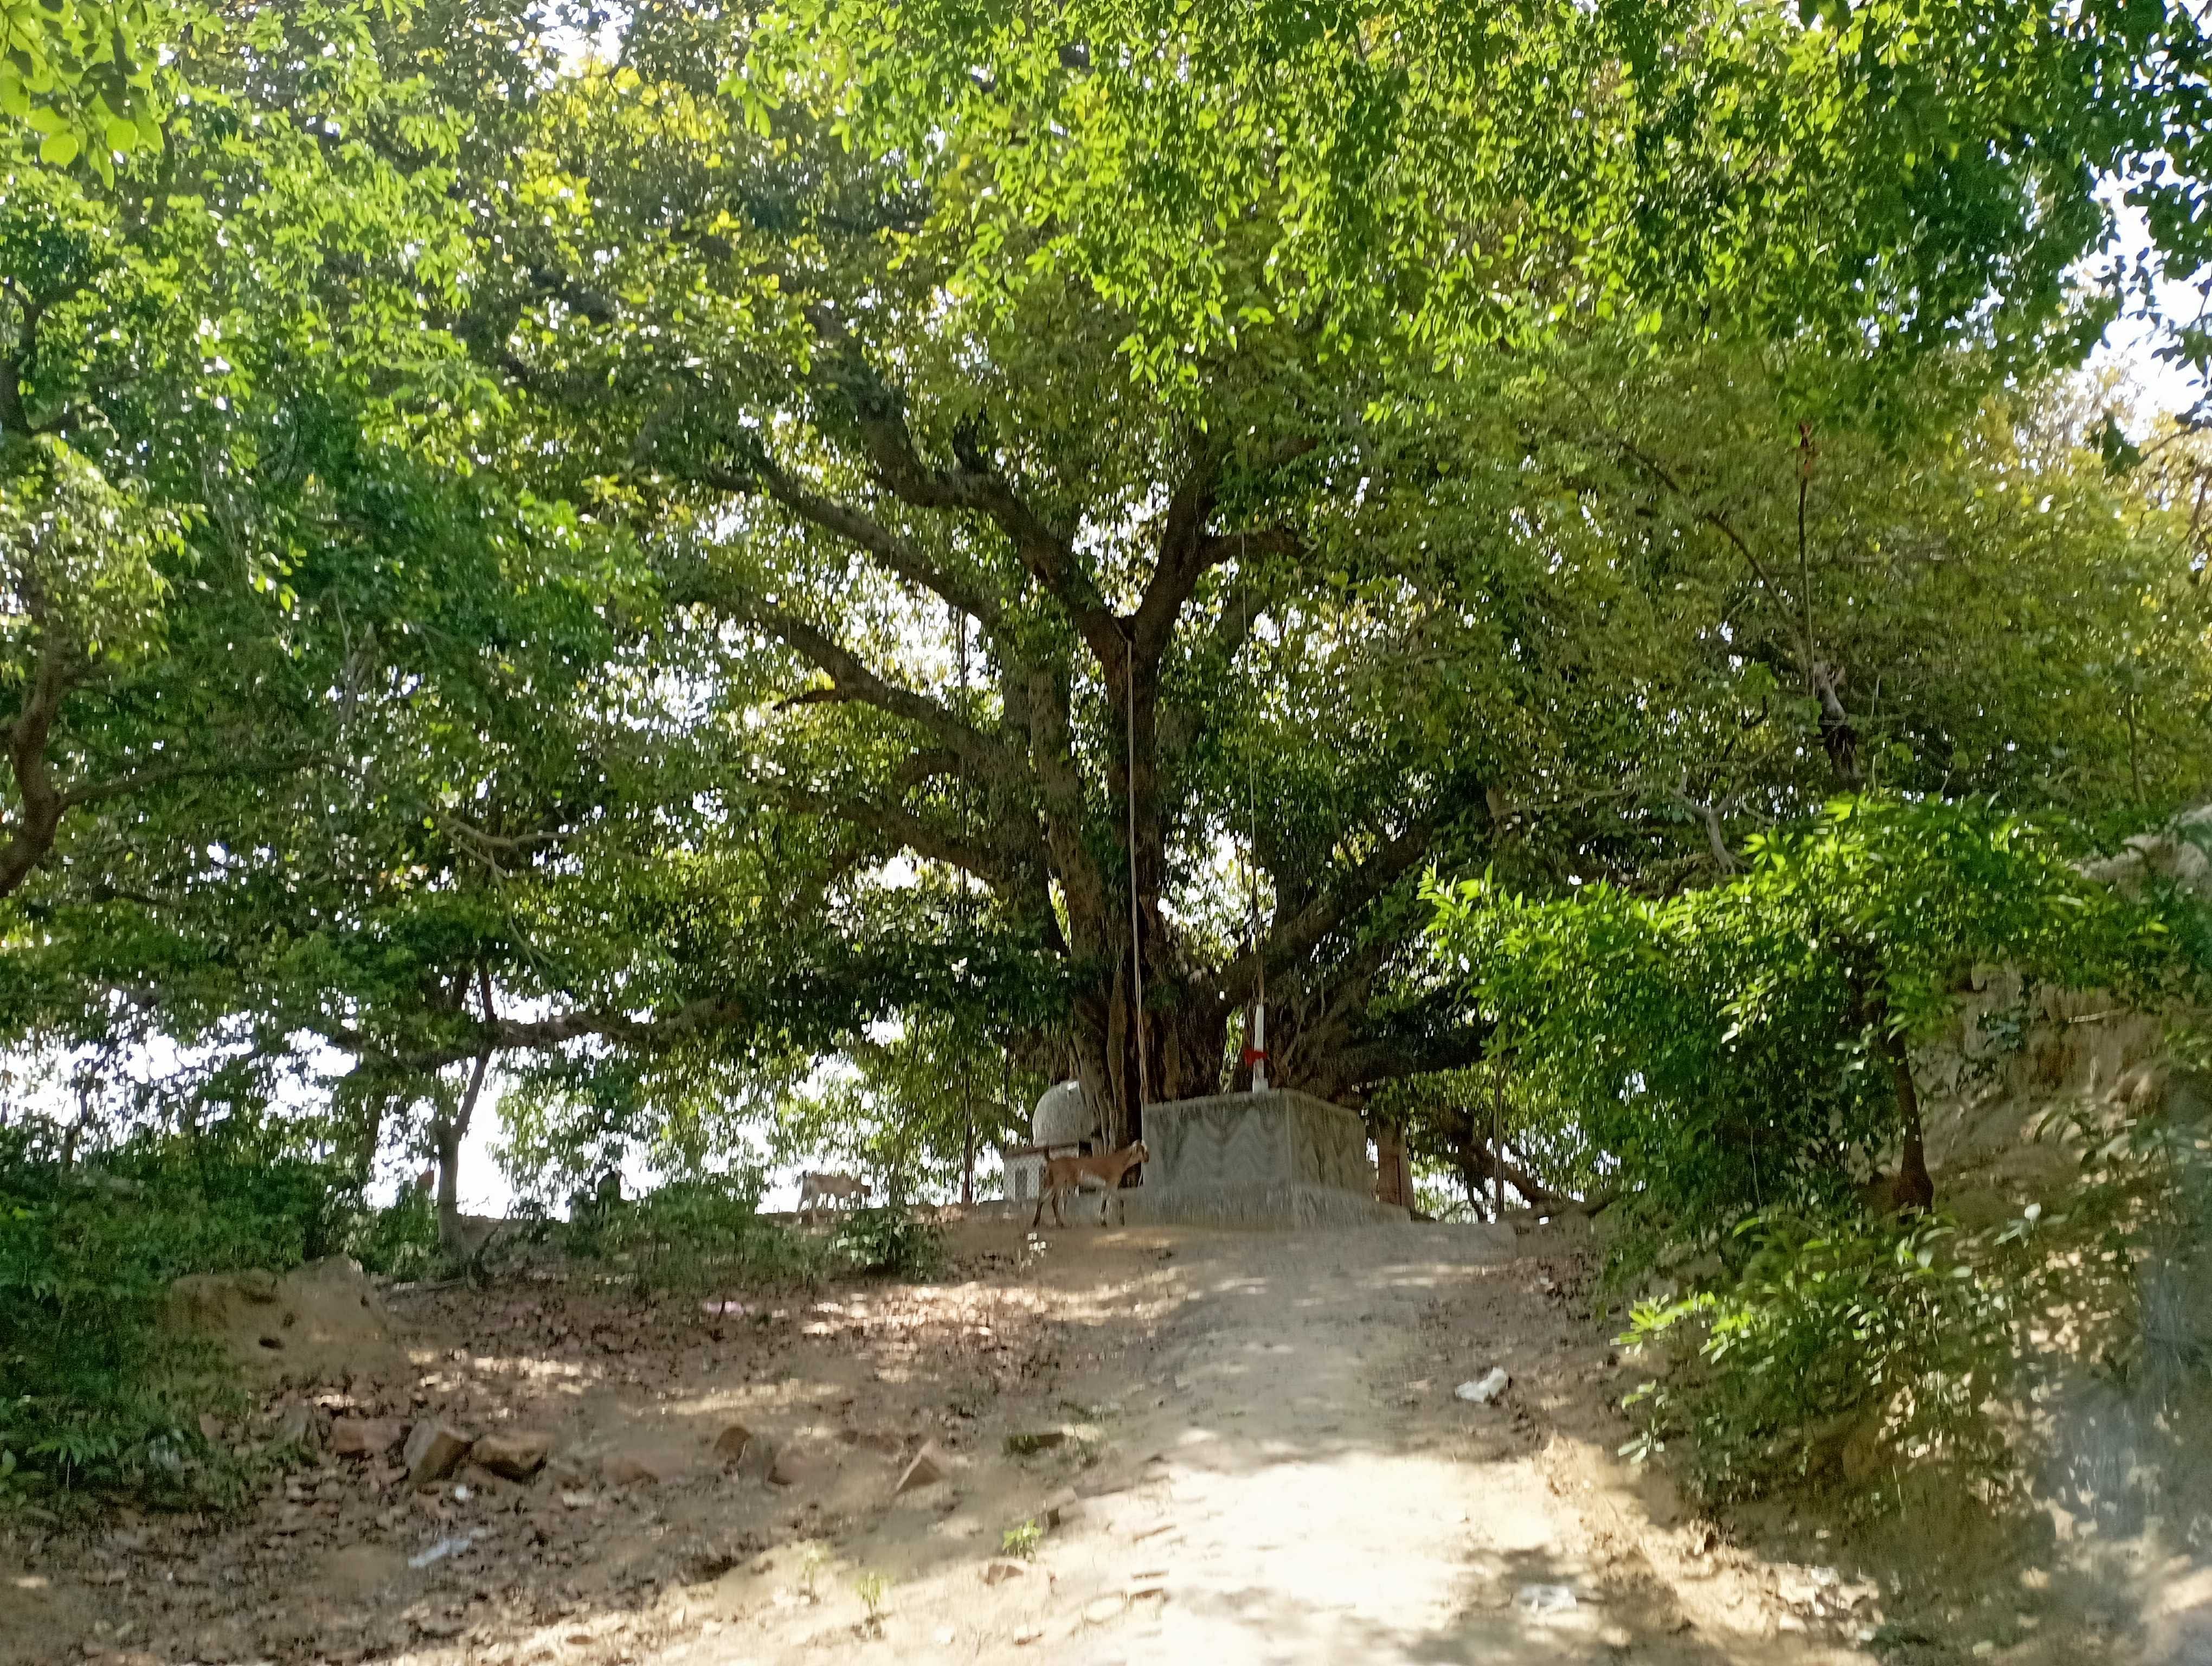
691,1233
887,1242
1741,1049
1834,1351
1735,1064
1866,1351
400,1240
92,1391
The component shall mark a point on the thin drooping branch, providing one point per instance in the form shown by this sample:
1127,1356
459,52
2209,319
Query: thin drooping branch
1292,939
895,553
852,679
902,828
1839,737
655,1032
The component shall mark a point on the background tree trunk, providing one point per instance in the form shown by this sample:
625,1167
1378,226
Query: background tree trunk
1915,1188
447,1132
1393,1168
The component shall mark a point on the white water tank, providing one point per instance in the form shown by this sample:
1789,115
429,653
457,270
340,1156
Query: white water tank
1065,1117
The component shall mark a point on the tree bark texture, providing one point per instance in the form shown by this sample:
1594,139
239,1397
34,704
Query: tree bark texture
447,1132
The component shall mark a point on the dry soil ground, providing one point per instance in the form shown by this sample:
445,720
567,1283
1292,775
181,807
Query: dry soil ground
1252,1439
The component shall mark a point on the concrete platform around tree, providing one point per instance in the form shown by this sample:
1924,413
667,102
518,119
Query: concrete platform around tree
1274,1159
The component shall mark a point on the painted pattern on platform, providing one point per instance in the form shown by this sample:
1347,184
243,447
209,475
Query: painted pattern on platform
1236,1139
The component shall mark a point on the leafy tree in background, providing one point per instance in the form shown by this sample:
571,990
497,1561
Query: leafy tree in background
1790,606
836,293
1747,1046
88,77
1903,172
166,333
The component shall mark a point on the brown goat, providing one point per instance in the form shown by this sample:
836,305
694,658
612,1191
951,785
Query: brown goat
1102,1175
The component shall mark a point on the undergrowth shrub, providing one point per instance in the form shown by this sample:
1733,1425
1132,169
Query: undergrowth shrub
1831,1351
1735,1065
94,1393
688,1234
1855,1350
399,1241
887,1242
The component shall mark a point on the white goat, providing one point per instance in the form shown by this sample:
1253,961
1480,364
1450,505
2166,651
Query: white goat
816,1190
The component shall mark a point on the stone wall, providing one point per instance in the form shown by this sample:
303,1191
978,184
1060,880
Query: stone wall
1256,1159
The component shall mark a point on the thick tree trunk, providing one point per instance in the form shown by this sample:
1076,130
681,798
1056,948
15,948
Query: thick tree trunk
968,1158
37,822
447,1133
1914,1189
1393,1168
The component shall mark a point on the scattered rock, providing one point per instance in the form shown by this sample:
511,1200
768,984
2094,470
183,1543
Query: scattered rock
927,1468
516,1456
1030,1444
1101,1609
1062,1507
876,1440
729,1445
638,1469
365,1437
295,1425
1485,1389
710,1564
997,1573
434,1451
1021,1639
211,1427
789,1467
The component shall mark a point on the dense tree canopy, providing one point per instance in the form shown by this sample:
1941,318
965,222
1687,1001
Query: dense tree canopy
630,557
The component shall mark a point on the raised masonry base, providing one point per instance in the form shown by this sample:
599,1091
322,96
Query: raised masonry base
1256,1159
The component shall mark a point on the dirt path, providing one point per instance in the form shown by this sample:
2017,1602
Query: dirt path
1247,1450
1284,1476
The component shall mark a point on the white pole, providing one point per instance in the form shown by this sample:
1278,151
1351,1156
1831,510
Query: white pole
1136,913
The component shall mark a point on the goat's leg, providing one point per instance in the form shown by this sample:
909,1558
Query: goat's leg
1037,1219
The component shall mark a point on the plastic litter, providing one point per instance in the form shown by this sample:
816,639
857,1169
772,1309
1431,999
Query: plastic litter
1545,1599
442,1549
1485,1389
